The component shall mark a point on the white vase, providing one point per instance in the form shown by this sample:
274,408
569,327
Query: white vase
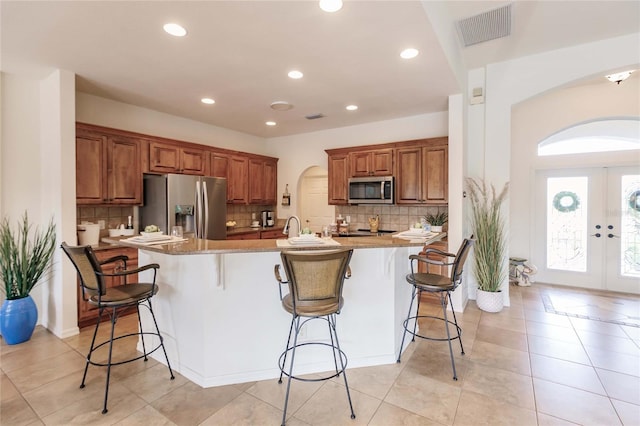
489,301
436,228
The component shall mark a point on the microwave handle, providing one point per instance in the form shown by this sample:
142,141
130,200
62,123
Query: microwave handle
382,190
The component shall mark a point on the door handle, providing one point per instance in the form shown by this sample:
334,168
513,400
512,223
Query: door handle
613,236
597,235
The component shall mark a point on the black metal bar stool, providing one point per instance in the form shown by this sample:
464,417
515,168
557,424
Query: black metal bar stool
315,281
442,286
114,300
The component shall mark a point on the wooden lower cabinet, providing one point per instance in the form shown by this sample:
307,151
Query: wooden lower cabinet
272,234
88,313
250,235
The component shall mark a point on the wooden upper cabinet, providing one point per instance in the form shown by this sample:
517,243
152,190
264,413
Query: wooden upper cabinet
371,163
108,169
91,166
124,177
169,158
262,181
422,175
270,182
219,165
338,179
238,182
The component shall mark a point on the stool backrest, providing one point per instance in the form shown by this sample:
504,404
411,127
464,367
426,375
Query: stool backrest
458,263
86,263
316,278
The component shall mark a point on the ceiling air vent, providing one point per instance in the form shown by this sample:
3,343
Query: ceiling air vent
314,116
486,26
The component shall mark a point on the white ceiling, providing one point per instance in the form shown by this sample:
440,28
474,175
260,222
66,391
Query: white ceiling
239,53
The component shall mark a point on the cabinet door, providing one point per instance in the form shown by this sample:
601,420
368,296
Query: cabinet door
338,179
192,161
270,182
409,175
238,184
360,163
435,175
91,163
124,179
219,165
382,162
256,181
164,158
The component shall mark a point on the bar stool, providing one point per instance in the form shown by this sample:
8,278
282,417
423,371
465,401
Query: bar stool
440,285
114,300
315,281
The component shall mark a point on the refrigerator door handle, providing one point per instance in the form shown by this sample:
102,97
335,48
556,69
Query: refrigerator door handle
205,197
198,213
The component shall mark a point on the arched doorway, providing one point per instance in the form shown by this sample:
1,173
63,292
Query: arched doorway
313,206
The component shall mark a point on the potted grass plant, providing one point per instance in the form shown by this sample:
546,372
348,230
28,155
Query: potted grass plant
436,220
24,257
489,249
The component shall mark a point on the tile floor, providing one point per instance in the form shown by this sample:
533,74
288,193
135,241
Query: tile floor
557,356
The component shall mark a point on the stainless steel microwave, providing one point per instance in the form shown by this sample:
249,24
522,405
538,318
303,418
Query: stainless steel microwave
371,190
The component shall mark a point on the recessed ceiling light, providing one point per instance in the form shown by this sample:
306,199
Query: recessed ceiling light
270,123
330,5
281,106
175,29
295,74
409,53
351,107
207,101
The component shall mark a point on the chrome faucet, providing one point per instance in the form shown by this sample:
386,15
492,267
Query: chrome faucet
292,232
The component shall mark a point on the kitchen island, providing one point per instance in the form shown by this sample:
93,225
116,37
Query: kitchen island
219,310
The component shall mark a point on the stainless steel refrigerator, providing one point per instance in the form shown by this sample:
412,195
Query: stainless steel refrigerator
198,204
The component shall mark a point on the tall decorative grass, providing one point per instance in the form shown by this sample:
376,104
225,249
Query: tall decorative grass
24,256
488,229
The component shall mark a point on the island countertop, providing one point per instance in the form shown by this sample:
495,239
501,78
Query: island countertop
194,246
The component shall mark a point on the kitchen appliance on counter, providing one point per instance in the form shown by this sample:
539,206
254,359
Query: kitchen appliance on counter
268,218
371,190
198,204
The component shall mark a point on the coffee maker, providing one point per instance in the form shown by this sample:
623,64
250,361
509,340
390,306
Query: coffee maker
268,218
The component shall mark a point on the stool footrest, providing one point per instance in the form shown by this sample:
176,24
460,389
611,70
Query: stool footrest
318,379
437,339
144,355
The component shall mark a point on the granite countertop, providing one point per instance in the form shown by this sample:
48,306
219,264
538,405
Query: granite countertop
193,246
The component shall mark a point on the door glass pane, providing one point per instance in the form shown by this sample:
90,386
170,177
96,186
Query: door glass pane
567,223
630,226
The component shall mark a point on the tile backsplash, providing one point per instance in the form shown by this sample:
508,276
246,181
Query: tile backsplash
394,218
113,216
242,214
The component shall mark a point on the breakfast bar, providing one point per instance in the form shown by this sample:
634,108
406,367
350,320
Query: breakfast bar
218,307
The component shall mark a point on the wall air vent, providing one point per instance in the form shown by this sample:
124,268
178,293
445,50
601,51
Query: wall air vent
314,116
485,26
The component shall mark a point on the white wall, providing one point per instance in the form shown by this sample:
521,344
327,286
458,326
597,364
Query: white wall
511,82
105,112
38,175
535,119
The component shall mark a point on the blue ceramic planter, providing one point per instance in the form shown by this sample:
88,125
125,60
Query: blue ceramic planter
18,319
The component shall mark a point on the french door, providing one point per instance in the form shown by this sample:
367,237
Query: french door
587,228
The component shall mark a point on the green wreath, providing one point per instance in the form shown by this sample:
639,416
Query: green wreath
634,201
566,201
